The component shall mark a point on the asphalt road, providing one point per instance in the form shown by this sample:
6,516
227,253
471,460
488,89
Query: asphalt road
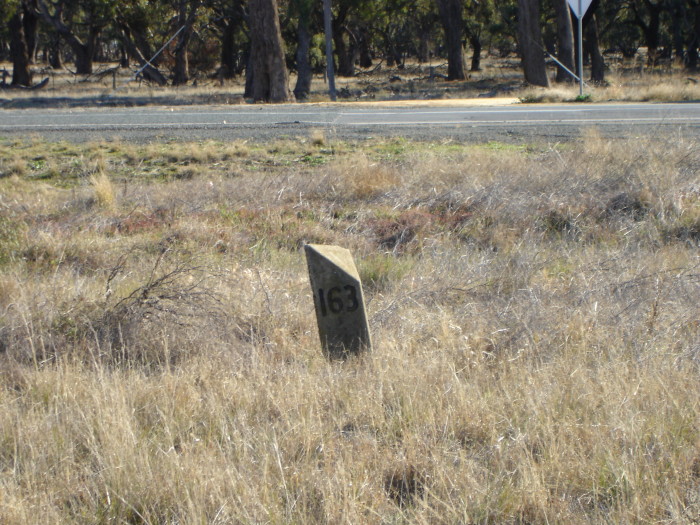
513,123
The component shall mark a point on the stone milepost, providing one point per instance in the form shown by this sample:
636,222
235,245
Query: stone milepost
340,306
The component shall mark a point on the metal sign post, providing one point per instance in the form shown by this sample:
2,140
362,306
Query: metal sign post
329,48
580,50
579,7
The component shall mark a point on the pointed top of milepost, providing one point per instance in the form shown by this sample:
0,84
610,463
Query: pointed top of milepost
339,257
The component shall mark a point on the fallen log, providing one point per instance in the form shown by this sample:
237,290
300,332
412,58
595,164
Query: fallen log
40,85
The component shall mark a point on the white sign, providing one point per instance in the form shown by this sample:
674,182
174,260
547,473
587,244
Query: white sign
579,7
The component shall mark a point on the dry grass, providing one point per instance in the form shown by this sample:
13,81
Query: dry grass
359,177
534,312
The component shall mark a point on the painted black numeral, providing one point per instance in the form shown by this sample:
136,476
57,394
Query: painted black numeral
335,301
352,298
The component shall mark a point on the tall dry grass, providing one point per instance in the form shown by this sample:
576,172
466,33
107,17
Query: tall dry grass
534,312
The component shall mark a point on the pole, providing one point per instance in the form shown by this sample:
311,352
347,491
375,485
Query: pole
329,48
580,48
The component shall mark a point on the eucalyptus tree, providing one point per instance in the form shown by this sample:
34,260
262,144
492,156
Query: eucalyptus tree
618,30
186,16
530,43
680,28
425,18
174,22
692,34
647,15
306,13
451,18
395,24
565,41
79,23
668,28
505,27
5,12
141,27
591,44
229,19
18,18
351,22
479,23
268,71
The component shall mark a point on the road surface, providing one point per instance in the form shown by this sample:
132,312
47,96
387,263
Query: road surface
513,123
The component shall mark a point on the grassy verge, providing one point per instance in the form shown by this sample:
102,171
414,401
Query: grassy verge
673,87
534,312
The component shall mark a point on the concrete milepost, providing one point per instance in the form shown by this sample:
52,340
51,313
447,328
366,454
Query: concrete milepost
339,302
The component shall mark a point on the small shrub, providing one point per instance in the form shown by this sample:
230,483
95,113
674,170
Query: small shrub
174,300
633,205
11,235
379,271
104,191
16,166
396,234
685,228
362,178
558,222
318,137
403,485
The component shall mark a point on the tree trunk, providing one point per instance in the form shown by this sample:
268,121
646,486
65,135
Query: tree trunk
693,42
393,57
21,75
304,73
181,70
83,59
270,78
123,57
692,58
475,42
30,21
678,16
55,51
248,90
181,74
451,17
650,29
346,62
364,50
83,50
232,18
592,48
228,58
565,41
530,41
424,47
651,35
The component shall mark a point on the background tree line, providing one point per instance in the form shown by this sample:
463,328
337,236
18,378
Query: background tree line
263,39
